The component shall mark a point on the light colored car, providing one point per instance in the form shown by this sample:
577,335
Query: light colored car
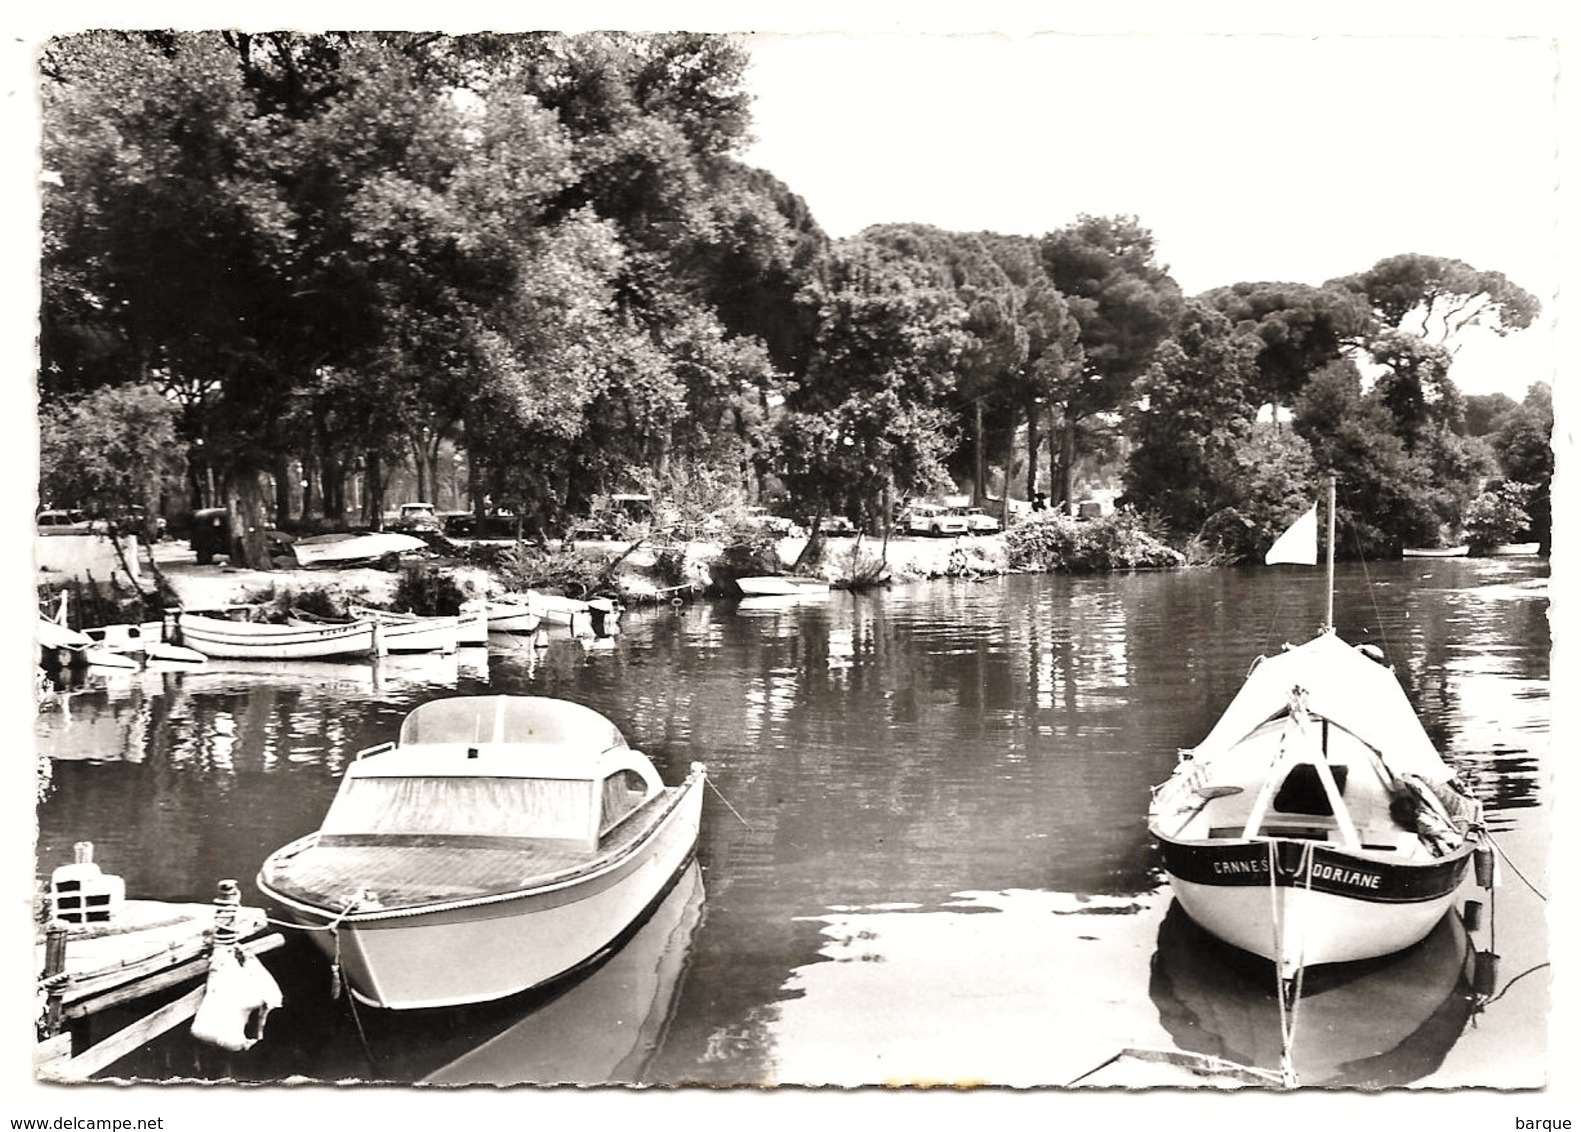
414,517
61,522
836,525
775,524
932,519
978,521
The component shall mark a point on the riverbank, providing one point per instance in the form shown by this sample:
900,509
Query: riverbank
636,579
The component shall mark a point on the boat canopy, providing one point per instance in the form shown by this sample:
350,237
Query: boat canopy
1342,685
538,721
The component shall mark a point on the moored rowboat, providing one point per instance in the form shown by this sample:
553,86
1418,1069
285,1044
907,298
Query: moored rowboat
218,637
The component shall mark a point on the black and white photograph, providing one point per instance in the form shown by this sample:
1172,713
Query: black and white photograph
634,560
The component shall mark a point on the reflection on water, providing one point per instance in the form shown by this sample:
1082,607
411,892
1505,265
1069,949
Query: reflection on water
1373,1024
924,848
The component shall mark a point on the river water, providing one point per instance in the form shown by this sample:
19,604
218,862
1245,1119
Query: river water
924,858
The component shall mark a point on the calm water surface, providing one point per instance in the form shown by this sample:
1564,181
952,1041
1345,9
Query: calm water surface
925,858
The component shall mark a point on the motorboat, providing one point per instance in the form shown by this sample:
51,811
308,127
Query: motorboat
347,548
782,585
146,640
507,615
498,844
223,638
597,614
1316,823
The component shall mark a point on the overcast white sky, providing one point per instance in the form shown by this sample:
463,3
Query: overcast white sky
1250,156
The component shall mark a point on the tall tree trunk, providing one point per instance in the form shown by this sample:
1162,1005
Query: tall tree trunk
1067,462
979,487
249,519
284,488
1034,444
373,492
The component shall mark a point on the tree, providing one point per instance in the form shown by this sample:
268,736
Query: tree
1385,491
867,421
111,452
1196,405
1299,329
1522,444
1124,303
1438,299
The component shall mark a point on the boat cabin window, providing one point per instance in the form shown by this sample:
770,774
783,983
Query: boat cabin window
624,791
1302,790
450,806
508,719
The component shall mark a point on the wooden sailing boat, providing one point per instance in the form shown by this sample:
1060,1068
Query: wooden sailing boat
1316,823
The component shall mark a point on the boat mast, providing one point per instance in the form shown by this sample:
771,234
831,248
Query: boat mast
1328,611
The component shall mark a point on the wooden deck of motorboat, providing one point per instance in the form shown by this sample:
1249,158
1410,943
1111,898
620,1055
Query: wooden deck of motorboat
431,869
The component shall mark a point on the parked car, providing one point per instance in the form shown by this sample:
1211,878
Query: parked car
932,519
978,521
61,521
836,525
777,524
416,518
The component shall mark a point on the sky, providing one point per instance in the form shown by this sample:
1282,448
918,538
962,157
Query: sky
1250,157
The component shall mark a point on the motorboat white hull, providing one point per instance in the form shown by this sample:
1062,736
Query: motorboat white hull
1514,549
486,949
781,585
218,638
505,617
326,550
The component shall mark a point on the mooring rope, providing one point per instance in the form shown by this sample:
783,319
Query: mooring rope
1535,890
708,778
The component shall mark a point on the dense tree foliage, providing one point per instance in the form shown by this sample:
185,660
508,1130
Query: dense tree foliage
309,264
1124,303
1196,408
1299,329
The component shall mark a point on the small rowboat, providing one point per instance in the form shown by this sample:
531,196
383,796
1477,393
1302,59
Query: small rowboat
407,632
1436,551
500,843
218,637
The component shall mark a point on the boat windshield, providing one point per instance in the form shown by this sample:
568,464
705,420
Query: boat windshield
535,720
450,806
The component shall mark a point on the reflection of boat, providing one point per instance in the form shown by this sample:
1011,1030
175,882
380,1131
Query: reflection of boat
340,549
782,585
518,832
605,1027
217,637
1316,823
1436,551
1376,1023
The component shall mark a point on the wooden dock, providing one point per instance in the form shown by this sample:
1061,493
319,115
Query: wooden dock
99,951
